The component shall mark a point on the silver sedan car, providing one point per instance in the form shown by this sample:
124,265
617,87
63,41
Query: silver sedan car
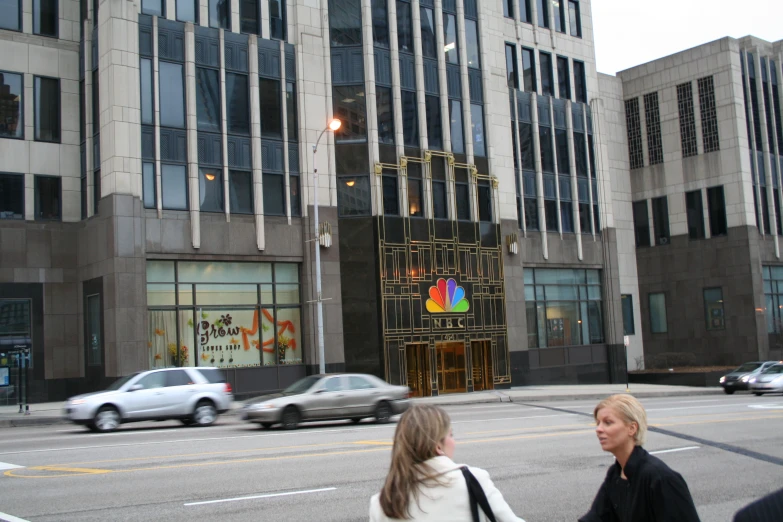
328,397
768,381
191,395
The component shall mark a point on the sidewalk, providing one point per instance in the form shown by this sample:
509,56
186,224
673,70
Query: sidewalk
51,412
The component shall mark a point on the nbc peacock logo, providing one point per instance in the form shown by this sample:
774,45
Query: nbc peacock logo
447,297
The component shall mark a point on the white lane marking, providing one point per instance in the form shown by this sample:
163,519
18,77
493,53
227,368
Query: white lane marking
766,406
695,407
657,403
4,466
10,518
674,450
260,496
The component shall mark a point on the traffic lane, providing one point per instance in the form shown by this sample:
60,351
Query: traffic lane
524,466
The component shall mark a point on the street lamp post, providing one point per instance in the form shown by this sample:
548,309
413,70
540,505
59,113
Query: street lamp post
333,126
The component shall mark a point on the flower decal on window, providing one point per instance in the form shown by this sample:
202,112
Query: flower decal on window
447,297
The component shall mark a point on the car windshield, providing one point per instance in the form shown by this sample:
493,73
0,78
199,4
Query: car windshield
777,368
302,385
116,385
748,367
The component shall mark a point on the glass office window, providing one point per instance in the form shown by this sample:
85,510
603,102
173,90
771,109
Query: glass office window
512,71
410,119
428,45
404,27
391,205
383,99
294,195
47,109
660,211
563,78
274,194
187,11
450,42
575,18
439,206
220,14
350,108
153,7
148,185
524,11
277,19
12,105
558,10
380,23
271,111
546,74
641,223
210,191
463,201
713,309
695,214
415,197
543,13
208,99
508,8
291,112
345,22
48,197
238,104
472,43
528,70
240,187
484,201
658,323
628,326
147,97
561,143
457,137
434,124
11,15
249,17
45,17
545,142
716,205
477,126
527,146
580,84
172,98
174,187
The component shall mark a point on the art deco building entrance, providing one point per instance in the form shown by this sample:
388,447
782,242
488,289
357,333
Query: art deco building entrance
481,365
452,374
417,363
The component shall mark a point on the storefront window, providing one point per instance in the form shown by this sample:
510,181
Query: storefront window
209,314
563,307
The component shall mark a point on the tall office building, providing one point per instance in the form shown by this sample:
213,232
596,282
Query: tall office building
701,134
156,192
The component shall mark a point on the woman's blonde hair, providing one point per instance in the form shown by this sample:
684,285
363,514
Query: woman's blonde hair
416,439
631,410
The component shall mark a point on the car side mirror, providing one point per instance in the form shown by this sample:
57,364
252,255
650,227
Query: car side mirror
135,387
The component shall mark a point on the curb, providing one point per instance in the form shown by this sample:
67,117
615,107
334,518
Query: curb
22,422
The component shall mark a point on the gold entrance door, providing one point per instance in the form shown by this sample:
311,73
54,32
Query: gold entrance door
452,374
481,355
417,362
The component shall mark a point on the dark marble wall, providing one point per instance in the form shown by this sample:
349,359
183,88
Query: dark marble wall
682,270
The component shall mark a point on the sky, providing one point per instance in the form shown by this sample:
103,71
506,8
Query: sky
632,32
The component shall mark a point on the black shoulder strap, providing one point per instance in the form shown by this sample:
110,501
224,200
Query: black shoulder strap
477,496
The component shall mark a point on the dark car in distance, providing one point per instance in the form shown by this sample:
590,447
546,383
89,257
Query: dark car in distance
738,379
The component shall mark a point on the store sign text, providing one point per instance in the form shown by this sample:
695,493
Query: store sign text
448,323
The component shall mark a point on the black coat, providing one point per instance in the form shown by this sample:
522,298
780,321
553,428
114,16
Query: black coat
653,493
766,509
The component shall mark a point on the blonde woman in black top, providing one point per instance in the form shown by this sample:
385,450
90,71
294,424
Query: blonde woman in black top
638,487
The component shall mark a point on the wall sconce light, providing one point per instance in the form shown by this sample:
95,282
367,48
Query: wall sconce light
209,176
512,242
350,182
325,234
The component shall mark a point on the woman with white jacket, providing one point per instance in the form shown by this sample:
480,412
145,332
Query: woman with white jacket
424,484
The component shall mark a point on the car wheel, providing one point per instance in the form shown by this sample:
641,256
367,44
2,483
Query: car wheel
728,391
758,394
383,413
107,419
291,417
205,413
265,425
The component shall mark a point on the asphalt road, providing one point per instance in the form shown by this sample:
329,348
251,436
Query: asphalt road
543,457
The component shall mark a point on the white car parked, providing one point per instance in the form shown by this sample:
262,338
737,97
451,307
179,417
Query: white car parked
191,395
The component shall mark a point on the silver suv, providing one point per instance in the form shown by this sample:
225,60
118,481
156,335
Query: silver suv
191,395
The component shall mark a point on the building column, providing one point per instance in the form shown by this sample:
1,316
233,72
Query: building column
539,175
191,125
